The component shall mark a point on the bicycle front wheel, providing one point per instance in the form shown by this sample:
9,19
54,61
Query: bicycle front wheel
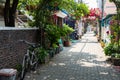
34,61
24,67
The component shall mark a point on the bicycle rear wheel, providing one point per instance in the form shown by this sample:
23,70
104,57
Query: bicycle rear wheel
24,67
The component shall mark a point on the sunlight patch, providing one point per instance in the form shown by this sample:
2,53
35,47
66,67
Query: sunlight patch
46,77
72,78
53,64
87,64
69,55
105,73
75,48
61,64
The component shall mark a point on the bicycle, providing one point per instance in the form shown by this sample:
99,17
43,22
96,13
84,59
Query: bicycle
30,59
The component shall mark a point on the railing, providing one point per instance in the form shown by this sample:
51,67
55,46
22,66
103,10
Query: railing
20,22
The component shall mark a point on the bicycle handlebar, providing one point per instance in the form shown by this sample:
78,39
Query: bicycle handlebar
13,43
29,43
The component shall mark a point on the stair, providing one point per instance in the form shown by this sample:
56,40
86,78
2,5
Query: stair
23,18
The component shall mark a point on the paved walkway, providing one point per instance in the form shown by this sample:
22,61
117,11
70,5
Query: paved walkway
84,60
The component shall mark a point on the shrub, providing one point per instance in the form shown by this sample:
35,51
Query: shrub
109,50
41,53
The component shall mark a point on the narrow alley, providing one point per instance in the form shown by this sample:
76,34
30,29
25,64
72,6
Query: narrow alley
84,60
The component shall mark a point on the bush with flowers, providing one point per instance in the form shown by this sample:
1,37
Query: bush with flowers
113,47
115,29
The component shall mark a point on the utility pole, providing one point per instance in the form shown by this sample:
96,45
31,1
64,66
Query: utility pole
101,21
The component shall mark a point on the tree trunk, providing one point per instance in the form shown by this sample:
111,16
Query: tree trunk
10,13
6,12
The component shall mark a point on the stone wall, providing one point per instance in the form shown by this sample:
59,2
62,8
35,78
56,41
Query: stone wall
11,48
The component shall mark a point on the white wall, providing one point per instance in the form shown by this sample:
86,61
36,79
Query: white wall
109,7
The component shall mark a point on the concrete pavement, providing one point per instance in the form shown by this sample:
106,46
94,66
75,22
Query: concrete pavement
84,60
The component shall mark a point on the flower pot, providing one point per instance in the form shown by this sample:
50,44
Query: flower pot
116,61
67,43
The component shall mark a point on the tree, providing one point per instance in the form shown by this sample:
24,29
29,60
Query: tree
46,7
27,4
10,12
117,2
74,8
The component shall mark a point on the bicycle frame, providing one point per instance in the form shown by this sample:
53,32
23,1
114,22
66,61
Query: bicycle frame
30,61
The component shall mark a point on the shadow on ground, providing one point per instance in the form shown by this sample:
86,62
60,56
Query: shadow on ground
81,61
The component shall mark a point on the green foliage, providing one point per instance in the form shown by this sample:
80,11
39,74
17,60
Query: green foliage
71,5
111,49
115,1
42,14
74,8
81,10
46,8
23,3
115,27
53,34
41,53
18,67
116,55
66,30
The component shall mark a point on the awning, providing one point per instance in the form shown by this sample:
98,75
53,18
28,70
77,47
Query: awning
60,14
64,11
108,16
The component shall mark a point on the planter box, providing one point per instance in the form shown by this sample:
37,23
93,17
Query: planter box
116,61
67,43
51,54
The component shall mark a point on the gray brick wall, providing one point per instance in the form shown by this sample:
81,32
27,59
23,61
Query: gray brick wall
11,50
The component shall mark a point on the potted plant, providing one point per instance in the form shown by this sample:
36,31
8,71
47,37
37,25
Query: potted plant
109,49
116,55
116,59
112,51
53,34
66,30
